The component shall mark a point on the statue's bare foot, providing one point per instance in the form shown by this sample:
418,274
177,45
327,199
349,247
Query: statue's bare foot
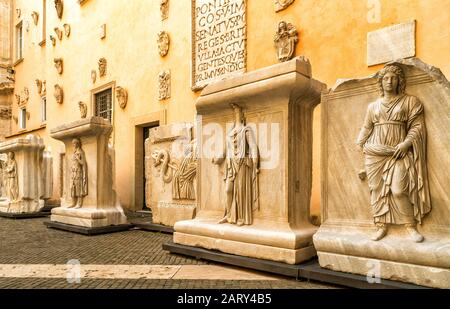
240,223
223,220
379,234
414,234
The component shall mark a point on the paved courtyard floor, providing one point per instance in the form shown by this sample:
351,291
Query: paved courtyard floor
33,256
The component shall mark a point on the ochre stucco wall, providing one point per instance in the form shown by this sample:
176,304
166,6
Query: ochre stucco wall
332,35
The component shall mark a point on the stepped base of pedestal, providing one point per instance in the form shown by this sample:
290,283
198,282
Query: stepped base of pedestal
152,227
262,240
90,231
395,257
22,206
24,215
88,217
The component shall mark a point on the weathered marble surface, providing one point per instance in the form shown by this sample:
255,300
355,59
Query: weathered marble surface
101,206
343,241
29,185
160,197
280,101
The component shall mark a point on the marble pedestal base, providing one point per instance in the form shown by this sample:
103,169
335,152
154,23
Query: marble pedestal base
88,217
276,243
395,257
20,207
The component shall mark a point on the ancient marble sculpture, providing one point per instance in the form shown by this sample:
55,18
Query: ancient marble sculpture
163,43
285,40
183,179
59,8
83,109
102,65
282,4
393,138
241,174
161,158
58,65
66,30
164,8
35,16
78,168
164,85
59,94
122,96
59,33
11,179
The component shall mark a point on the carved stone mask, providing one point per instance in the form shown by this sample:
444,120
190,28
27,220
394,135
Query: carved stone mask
122,97
59,94
102,66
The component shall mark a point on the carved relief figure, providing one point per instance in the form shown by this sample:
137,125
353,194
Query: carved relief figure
122,96
164,8
59,8
162,158
53,39
79,174
164,85
17,98
23,97
183,180
241,177
102,64
163,43
35,16
286,39
11,179
393,139
59,94
58,65
59,33
44,88
93,76
39,86
66,30
282,4
83,109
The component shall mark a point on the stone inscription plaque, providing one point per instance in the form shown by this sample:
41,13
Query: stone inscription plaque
218,40
391,43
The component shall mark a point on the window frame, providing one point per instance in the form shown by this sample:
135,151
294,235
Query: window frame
44,109
19,41
22,118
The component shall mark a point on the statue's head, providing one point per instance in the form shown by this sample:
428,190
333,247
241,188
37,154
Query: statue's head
11,155
282,26
76,143
391,79
238,112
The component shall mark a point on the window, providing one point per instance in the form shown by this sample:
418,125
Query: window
44,22
43,109
19,41
103,104
23,118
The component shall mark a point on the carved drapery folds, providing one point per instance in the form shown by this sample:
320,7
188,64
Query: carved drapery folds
79,174
285,40
10,179
164,85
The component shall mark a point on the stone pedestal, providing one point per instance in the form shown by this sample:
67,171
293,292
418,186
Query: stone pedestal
22,176
100,206
277,103
344,240
170,173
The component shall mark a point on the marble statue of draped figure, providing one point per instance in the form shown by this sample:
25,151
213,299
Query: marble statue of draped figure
393,139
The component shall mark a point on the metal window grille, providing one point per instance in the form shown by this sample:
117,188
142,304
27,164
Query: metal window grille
103,104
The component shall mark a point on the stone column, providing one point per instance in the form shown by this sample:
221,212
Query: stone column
265,118
88,197
386,215
23,187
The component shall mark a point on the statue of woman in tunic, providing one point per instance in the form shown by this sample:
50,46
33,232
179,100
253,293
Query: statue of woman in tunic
393,139
12,182
241,177
78,183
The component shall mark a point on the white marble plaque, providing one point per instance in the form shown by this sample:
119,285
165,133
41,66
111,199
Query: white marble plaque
218,40
391,43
